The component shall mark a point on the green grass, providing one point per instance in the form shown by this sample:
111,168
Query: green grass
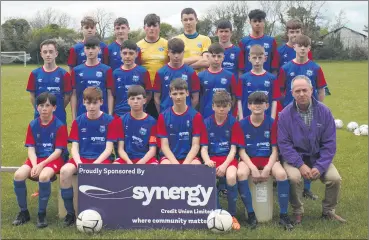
348,83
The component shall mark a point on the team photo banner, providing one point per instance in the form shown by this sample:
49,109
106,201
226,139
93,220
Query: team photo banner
148,196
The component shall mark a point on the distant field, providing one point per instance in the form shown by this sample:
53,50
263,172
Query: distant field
348,83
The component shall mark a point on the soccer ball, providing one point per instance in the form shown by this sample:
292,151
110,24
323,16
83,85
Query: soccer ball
363,126
357,132
89,221
364,130
219,221
339,123
351,126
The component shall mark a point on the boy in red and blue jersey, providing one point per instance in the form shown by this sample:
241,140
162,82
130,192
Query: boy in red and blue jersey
121,31
175,69
258,151
301,65
91,73
219,147
136,131
179,128
50,78
127,75
258,79
77,55
92,136
216,78
257,22
46,140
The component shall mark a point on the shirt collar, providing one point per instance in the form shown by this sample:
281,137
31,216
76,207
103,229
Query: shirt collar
309,108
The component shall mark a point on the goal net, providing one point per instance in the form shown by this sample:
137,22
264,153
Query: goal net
11,57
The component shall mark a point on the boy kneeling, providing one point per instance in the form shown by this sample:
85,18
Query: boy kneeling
258,150
46,140
92,136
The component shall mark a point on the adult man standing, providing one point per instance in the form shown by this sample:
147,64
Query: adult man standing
307,143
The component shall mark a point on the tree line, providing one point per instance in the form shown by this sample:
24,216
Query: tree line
19,34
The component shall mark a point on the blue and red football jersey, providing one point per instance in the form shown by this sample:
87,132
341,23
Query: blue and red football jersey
92,134
84,76
138,135
122,80
270,46
166,74
231,59
219,138
293,69
57,82
287,53
115,59
266,82
46,138
212,82
77,54
258,141
179,129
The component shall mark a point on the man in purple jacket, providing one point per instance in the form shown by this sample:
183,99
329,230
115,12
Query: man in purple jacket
307,142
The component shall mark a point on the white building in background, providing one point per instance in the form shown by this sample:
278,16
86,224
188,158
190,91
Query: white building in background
349,37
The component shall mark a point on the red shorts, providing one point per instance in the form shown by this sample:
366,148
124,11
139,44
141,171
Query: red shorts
219,160
55,165
151,161
260,162
85,160
179,160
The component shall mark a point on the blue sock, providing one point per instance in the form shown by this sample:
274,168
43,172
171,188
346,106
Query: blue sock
307,184
232,198
44,195
283,195
67,195
243,187
20,190
222,183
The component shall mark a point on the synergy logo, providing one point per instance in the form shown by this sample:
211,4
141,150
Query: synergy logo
195,195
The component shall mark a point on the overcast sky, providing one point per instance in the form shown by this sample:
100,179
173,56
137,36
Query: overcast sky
169,11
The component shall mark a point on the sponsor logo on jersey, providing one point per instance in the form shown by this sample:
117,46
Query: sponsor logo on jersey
99,74
223,81
184,77
266,45
309,73
266,134
181,134
137,139
222,144
267,83
102,128
143,131
94,82
232,56
114,53
101,139
39,80
262,144
57,80
50,89
135,78
228,64
47,145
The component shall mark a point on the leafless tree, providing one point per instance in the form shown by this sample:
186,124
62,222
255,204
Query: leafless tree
272,10
105,22
50,16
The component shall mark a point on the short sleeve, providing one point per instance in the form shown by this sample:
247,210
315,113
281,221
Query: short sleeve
67,83
195,82
61,140
162,131
273,134
204,140
139,57
157,83
310,55
30,140
241,137
276,94
275,56
320,79
235,89
31,85
147,81
106,55
235,134
73,78
73,135
109,78
281,81
119,129
241,59
111,136
197,125
206,44
72,58
152,139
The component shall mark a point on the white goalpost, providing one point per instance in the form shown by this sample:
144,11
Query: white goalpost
9,57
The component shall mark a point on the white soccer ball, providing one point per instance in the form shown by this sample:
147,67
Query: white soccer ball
364,130
357,132
351,126
89,221
339,123
363,126
219,221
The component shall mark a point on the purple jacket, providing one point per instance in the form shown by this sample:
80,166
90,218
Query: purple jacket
297,141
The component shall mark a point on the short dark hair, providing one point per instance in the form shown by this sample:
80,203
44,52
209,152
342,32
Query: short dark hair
224,24
178,84
89,21
43,97
303,40
92,94
92,41
121,21
136,90
215,48
131,45
257,97
49,41
257,14
151,19
188,11
176,45
222,98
